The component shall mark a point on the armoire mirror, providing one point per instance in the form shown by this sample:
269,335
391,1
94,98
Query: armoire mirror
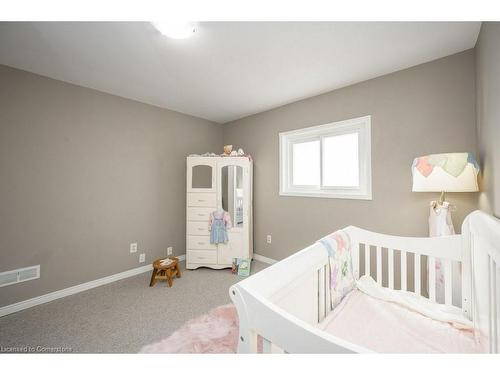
232,193
201,177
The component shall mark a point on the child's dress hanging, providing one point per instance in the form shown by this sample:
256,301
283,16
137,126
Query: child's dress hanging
219,223
440,224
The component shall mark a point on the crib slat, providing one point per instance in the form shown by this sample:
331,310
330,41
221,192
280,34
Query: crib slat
355,260
328,304
417,274
390,255
379,265
367,259
490,307
266,346
252,338
492,311
321,294
447,282
403,271
431,264
495,308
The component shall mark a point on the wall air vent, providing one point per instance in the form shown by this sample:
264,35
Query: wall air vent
19,275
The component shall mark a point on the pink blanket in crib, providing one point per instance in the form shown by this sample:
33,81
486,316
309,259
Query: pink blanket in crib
387,327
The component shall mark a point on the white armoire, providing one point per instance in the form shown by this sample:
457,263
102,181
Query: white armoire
214,184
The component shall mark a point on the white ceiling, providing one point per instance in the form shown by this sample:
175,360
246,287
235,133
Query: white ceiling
226,70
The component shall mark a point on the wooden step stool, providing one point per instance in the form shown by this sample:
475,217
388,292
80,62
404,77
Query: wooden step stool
161,272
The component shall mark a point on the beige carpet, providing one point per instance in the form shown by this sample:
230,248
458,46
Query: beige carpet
119,317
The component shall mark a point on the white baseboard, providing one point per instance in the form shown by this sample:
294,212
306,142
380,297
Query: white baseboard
9,309
263,259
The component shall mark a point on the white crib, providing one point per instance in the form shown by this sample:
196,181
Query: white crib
284,302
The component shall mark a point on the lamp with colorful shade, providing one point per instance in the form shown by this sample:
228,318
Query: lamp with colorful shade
453,172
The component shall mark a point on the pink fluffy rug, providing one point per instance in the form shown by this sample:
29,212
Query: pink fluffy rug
215,332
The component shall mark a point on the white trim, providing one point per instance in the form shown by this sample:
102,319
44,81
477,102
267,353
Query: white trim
15,307
360,125
320,194
9,309
263,259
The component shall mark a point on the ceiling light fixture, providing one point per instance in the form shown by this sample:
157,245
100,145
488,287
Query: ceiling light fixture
175,30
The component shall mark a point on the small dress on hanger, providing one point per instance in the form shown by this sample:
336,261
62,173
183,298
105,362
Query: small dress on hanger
440,224
219,223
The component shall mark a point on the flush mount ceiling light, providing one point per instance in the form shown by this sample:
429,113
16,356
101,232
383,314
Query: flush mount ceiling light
175,30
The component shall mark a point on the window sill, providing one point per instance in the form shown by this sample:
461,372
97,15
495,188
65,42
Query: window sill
329,195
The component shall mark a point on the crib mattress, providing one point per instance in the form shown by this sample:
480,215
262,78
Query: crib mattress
386,327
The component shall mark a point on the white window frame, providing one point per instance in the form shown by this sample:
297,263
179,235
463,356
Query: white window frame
360,125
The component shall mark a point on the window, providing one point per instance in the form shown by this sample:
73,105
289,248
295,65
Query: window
330,161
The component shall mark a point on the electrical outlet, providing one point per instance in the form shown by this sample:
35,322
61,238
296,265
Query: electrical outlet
169,250
269,239
142,257
133,247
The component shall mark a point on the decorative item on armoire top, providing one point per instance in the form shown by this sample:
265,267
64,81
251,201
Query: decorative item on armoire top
451,172
228,149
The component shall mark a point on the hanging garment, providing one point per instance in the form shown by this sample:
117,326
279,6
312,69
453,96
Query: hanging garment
440,224
219,223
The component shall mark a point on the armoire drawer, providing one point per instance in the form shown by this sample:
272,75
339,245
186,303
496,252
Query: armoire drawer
201,200
202,256
197,228
199,243
199,213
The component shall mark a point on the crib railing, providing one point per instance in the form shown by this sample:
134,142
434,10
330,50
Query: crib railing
280,306
481,236
409,263
389,260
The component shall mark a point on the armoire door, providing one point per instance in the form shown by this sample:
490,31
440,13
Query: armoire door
201,175
234,248
233,196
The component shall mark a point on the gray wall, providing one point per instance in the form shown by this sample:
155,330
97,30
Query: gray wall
425,109
83,174
488,114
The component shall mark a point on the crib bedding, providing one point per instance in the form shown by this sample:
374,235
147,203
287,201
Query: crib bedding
387,327
444,313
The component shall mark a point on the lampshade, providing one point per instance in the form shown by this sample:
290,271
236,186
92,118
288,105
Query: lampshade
453,172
